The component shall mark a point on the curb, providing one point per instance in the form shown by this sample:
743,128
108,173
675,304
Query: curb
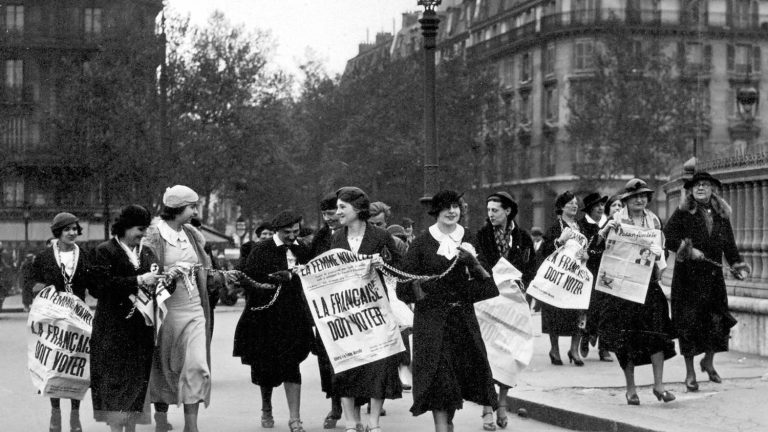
569,419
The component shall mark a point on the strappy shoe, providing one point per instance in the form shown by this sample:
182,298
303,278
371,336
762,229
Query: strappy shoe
161,422
330,420
665,396
267,421
713,375
501,421
295,425
634,399
488,423
691,385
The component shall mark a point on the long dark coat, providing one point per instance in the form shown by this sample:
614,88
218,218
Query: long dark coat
121,347
450,363
597,298
47,272
379,379
521,254
699,300
273,341
556,321
321,243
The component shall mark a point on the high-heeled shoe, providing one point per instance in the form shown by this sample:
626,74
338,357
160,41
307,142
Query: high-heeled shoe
488,421
555,361
713,375
267,421
633,400
665,396
501,421
691,385
295,425
575,360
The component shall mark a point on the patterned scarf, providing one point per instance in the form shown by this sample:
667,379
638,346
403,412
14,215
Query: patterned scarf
503,237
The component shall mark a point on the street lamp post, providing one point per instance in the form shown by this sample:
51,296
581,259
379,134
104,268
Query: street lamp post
429,25
27,211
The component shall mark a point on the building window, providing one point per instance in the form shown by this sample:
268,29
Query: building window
525,67
506,71
743,59
14,18
697,56
551,103
583,55
695,12
92,21
14,79
13,192
548,61
526,108
584,11
742,13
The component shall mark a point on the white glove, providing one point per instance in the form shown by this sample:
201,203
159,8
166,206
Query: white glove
656,250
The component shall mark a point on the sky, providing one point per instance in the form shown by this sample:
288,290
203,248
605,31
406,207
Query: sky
329,29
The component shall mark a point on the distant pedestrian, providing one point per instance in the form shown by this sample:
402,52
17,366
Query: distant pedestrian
450,363
26,281
121,342
500,237
65,266
555,321
378,380
639,334
408,224
274,333
594,217
699,299
263,232
181,369
380,214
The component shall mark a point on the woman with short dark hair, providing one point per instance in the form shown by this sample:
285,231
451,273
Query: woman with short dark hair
68,269
558,322
450,364
378,380
122,342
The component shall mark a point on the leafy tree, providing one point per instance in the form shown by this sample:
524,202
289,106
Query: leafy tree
634,115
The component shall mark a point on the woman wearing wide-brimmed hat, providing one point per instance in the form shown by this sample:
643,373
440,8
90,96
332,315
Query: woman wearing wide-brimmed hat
702,227
638,334
558,322
121,342
66,267
450,364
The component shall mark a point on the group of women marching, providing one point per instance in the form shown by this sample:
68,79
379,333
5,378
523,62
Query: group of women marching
134,364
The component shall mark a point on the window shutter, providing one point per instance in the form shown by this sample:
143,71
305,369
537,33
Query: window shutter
756,59
729,13
681,55
730,56
707,57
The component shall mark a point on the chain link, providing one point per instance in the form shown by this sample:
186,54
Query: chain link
244,277
402,277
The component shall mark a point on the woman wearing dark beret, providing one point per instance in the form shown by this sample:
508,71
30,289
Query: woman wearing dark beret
558,322
122,342
699,301
450,364
66,267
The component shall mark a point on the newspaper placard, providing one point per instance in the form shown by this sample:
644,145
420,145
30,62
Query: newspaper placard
506,325
627,263
563,280
349,305
58,344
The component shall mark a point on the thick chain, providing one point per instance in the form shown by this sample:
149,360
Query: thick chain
244,277
402,277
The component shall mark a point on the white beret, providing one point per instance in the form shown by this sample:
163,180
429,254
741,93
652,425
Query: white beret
179,196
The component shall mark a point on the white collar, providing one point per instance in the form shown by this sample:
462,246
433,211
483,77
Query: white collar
279,242
602,221
449,243
175,238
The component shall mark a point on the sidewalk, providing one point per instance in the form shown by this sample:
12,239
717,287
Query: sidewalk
13,304
592,398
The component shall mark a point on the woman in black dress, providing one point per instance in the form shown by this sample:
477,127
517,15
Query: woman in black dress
378,380
66,267
555,321
122,342
699,300
638,334
450,363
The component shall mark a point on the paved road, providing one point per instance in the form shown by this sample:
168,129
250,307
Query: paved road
235,402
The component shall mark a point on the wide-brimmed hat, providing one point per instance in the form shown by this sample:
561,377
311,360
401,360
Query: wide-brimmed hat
506,201
286,218
443,200
592,199
699,176
63,219
634,187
